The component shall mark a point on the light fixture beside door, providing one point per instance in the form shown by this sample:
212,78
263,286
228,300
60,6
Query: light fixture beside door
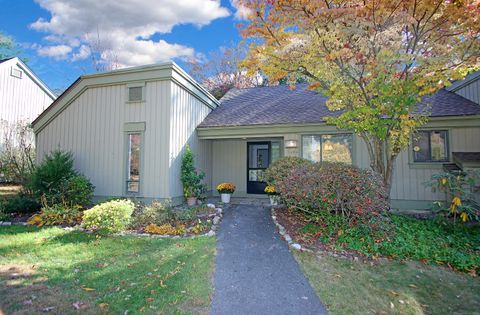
290,144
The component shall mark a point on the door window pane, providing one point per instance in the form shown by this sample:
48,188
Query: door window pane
133,180
258,156
337,148
311,148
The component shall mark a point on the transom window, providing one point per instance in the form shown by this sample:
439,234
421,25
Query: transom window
133,175
430,146
328,148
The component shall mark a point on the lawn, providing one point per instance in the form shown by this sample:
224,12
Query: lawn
57,271
349,287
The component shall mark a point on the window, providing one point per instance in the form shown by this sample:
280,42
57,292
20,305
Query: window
328,148
135,94
133,171
17,73
430,146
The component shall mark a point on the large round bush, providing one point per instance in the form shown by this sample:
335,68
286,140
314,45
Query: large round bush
281,168
109,217
338,188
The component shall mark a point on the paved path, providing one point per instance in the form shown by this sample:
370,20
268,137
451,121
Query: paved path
255,273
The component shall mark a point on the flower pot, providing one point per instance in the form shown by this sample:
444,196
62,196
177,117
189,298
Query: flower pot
273,200
225,198
191,201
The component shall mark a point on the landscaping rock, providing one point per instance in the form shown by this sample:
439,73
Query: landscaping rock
216,220
287,237
211,205
211,233
6,223
297,246
219,210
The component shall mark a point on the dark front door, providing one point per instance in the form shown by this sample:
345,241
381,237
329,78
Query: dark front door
258,159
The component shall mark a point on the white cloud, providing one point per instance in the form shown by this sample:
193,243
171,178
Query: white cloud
125,28
82,53
241,12
58,51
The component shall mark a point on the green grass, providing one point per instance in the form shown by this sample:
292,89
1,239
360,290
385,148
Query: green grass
68,270
348,287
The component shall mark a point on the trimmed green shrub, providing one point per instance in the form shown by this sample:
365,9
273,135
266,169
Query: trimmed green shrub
109,217
280,169
192,180
56,180
338,188
20,204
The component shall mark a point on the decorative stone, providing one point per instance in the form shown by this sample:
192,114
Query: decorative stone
288,238
211,205
216,220
211,233
297,246
219,210
213,228
6,223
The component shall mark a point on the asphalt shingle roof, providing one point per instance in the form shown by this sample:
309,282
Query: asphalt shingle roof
281,105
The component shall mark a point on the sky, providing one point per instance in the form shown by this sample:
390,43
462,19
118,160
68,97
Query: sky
57,37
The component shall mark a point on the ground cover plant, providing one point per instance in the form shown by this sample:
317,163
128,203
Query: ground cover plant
389,287
51,270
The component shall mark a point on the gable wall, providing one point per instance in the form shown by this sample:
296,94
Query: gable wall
186,113
20,99
471,91
92,128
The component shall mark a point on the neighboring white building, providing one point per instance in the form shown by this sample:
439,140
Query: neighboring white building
23,96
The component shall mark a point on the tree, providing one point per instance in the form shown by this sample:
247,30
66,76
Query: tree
7,47
17,152
374,59
222,72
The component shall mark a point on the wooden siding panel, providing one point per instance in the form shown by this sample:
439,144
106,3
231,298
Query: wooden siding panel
186,113
229,160
20,99
92,129
471,91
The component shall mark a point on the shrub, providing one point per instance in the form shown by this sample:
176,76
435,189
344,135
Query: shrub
109,217
191,179
20,204
57,181
157,213
333,187
58,214
280,169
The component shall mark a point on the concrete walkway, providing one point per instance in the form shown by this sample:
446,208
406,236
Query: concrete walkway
255,272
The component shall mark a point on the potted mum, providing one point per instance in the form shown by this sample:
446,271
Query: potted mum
226,190
272,194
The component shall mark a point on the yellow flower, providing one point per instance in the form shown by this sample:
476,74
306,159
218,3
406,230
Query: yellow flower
464,216
226,188
270,190
444,181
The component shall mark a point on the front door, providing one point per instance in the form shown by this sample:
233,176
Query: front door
258,159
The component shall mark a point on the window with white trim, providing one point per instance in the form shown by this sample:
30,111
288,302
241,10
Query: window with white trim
133,162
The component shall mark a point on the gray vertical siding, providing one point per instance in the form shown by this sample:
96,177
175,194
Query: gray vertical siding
186,113
471,91
92,128
21,100
229,164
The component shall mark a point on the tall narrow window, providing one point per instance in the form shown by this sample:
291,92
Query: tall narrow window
133,180
430,146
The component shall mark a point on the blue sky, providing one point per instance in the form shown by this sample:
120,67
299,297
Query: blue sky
58,49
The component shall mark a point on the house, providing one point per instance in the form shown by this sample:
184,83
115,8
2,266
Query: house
23,96
128,129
